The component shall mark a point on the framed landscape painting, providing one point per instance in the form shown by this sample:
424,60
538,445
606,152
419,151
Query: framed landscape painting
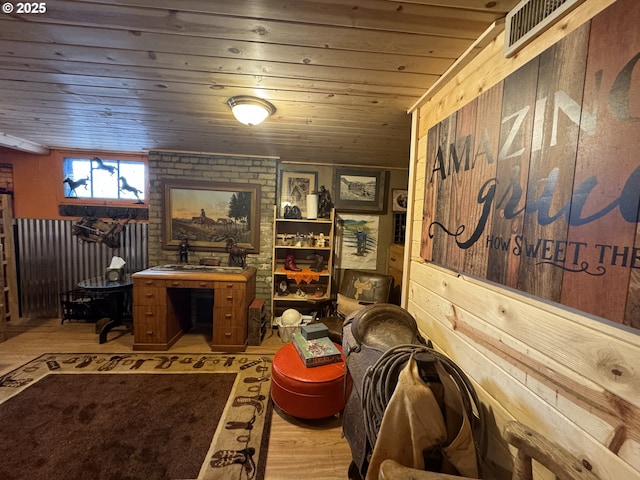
207,214
360,190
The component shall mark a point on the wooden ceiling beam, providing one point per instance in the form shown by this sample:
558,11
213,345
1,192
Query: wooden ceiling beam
224,58
10,141
190,111
368,14
179,24
131,87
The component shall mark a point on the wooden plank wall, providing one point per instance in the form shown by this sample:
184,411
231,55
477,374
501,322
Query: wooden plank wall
561,189
571,376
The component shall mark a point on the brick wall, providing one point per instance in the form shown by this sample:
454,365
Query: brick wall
215,168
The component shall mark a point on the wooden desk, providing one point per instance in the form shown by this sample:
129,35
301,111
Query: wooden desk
162,306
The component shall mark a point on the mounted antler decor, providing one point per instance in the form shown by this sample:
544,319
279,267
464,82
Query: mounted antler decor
94,230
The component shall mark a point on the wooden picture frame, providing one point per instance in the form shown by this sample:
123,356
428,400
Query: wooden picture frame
360,190
399,200
207,214
294,188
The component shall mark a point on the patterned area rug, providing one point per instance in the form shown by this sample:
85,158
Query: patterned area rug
116,416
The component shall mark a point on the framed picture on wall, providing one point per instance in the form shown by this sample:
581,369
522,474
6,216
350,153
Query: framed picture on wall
360,190
358,241
400,199
207,214
294,188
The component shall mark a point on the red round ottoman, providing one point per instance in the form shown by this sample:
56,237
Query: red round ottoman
307,392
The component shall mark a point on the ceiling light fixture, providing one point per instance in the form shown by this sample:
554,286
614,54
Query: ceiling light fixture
250,110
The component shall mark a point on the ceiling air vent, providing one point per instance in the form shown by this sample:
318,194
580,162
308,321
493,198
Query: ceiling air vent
530,18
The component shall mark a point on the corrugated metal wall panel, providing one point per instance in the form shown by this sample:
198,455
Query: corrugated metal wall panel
51,260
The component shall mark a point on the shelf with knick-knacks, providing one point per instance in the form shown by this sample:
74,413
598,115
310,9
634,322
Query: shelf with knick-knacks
302,263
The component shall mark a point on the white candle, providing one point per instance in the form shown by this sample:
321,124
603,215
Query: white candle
312,206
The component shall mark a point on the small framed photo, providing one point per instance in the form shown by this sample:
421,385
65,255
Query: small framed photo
400,200
294,188
360,190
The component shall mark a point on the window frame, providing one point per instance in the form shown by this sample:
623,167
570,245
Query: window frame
103,200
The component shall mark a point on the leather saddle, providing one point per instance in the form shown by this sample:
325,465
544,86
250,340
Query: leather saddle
382,326
366,335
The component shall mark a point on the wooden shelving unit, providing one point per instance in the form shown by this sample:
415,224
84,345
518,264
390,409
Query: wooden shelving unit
8,278
300,237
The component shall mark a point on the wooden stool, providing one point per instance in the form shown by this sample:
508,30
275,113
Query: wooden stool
257,322
308,392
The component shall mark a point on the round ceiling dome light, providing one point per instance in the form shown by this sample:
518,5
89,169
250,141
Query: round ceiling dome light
250,110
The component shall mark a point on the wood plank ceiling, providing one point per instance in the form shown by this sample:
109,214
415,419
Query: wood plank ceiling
137,75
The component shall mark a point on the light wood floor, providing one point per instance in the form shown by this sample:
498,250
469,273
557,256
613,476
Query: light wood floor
297,449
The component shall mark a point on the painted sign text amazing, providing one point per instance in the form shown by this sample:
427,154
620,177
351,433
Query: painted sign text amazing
573,211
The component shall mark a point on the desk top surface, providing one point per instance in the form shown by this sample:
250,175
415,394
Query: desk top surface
197,272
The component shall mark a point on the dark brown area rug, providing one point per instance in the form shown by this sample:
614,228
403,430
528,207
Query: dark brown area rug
136,416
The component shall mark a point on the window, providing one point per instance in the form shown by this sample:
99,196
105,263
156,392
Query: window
98,178
399,227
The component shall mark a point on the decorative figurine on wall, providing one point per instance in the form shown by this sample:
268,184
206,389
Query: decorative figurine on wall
237,255
75,184
125,187
102,166
325,204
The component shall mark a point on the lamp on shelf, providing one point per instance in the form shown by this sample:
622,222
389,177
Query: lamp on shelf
250,110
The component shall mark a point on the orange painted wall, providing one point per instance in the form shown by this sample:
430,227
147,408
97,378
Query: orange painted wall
37,182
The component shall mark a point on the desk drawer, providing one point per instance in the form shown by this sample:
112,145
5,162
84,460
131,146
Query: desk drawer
180,283
149,296
208,284
228,336
149,324
149,313
229,317
229,326
229,298
229,285
176,283
147,282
